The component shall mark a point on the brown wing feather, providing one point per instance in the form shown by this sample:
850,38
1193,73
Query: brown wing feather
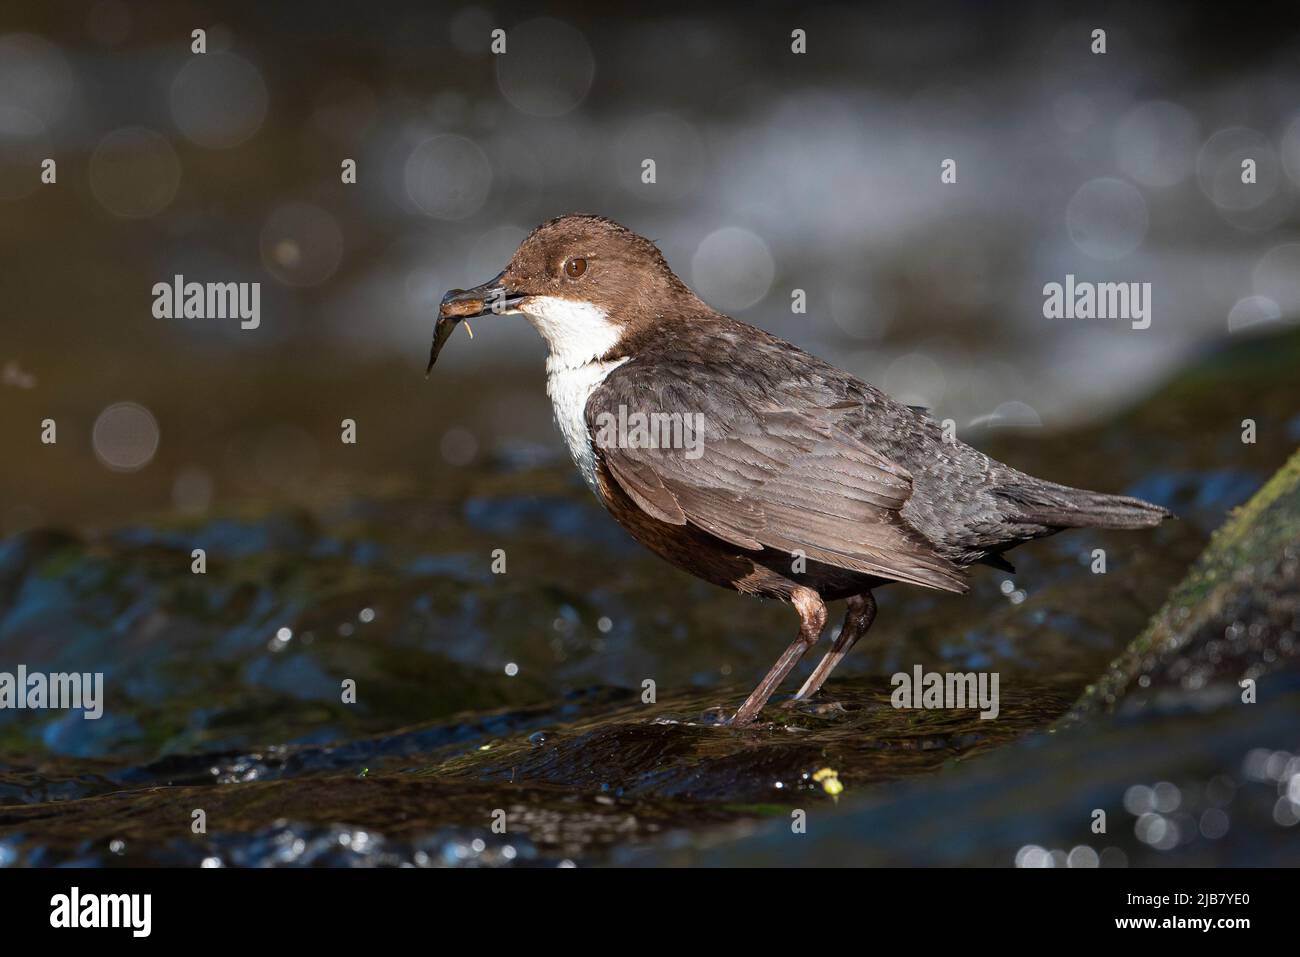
769,474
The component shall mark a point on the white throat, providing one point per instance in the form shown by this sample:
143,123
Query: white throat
577,334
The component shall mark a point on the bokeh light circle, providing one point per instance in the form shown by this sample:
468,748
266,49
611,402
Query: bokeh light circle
35,79
448,177
1107,218
732,268
301,244
1276,277
125,436
134,172
1156,143
547,68
915,379
218,100
1219,169
1252,311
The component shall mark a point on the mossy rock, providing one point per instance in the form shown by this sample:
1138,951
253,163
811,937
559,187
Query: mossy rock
1234,616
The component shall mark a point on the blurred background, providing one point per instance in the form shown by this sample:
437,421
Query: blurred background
774,172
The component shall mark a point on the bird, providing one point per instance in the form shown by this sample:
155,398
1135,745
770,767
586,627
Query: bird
800,482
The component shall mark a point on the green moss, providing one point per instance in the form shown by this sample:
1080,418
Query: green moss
1242,566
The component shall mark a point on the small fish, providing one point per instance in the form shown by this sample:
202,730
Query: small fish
450,315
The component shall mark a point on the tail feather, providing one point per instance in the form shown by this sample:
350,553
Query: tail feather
1059,506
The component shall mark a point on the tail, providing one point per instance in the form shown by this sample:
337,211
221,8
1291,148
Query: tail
1059,506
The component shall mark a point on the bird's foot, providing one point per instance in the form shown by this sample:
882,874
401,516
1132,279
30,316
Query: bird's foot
739,720
743,720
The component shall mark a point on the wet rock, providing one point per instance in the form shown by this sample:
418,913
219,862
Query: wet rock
614,773
1234,618
1191,789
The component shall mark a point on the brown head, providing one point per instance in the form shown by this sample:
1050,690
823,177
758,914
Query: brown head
583,282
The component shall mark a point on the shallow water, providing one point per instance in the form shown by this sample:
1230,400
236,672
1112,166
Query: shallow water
525,693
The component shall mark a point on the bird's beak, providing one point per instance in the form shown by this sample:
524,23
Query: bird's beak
493,297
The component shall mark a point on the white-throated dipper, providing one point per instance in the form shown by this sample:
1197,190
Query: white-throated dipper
791,479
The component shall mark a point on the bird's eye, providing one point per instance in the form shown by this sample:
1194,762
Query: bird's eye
575,267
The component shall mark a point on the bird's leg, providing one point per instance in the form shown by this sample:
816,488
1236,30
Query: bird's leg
812,619
857,619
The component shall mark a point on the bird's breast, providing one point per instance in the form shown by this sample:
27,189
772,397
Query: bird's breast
570,387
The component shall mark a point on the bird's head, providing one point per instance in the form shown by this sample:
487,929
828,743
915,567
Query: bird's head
583,282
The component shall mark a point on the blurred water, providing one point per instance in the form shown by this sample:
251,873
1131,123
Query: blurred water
775,172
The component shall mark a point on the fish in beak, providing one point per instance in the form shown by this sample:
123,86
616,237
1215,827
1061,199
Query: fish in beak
490,298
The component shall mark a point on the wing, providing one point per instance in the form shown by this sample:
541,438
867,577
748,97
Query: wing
762,468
